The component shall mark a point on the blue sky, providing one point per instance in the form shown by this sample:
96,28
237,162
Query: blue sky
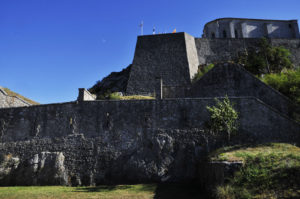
50,48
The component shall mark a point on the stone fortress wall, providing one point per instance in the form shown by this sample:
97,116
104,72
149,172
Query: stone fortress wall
218,50
89,141
251,28
174,58
11,101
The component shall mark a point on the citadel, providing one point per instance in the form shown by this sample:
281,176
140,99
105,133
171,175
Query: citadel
90,141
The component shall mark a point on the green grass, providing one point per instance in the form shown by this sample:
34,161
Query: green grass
140,191
202,70
116,96
269,171
53,192
11,93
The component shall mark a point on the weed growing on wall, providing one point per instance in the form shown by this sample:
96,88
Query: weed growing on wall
201,71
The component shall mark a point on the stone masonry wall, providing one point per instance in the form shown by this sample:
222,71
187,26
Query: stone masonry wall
234,80
218,50
121,141
175,59
10,101
172,57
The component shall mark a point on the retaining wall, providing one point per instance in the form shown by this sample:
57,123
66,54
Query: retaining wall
122,141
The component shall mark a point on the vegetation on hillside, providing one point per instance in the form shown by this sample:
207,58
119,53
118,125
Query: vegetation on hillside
202,69
269,171
13,94
266,59
117,96
274,67
287,82
114,82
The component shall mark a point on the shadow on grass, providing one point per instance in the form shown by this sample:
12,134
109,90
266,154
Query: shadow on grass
174,191
102,188
106,188
287,179
161,191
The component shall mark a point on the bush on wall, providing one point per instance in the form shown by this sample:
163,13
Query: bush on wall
223,118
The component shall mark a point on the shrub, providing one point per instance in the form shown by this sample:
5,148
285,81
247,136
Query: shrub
230,192
223,117
225,192
114,96
287,82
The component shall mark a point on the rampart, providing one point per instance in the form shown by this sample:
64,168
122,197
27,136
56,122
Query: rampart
175,59
235,80
218,50
10,101
123,141
172,57
91,142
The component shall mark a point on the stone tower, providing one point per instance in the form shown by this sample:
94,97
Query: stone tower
171,58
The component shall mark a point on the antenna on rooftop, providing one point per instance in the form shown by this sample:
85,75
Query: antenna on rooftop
153,30
142,27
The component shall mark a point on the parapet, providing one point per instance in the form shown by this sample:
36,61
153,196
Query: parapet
85,95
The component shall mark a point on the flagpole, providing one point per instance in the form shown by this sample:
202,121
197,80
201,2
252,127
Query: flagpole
142,28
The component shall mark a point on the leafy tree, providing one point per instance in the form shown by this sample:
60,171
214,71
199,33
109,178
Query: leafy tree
266,59
223,117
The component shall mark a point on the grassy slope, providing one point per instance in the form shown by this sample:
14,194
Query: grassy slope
11,93
269,171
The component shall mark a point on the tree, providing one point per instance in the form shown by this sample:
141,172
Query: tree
223,118
266,59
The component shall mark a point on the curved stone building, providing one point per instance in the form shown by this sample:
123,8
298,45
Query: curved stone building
251,28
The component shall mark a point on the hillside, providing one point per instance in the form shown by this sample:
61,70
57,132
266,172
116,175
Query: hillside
114,82
269,171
